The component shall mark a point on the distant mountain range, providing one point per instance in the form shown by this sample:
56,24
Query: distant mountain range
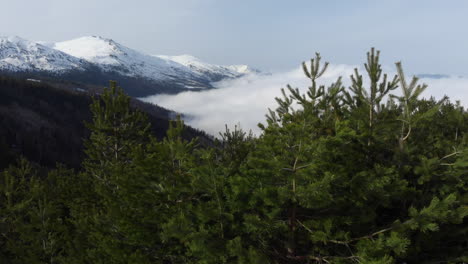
95,60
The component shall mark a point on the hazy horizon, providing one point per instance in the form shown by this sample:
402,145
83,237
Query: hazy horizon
245,101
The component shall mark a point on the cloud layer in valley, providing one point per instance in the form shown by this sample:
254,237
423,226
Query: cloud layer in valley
245,101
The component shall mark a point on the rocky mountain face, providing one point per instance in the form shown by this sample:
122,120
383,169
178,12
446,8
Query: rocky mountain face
95,60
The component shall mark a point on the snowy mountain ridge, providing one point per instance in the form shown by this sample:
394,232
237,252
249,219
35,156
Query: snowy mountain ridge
201,67
112,56
19,55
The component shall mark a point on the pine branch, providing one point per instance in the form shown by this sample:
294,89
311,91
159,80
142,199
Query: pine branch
450,155
325,259
347,242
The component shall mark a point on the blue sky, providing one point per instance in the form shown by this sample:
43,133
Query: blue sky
428,36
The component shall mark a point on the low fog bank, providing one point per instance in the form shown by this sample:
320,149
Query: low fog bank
244,102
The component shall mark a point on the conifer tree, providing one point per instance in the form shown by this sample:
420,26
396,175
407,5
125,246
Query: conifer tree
328,182
119,135
115,131
33,223
339,175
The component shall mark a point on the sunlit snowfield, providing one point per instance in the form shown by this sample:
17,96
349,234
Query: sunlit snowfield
245,101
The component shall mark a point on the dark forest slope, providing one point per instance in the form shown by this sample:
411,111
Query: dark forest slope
46,123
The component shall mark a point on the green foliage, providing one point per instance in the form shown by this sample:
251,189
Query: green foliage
118,140
334,180
339,175
34,224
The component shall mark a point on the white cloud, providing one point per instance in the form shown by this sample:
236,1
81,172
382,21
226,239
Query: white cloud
245,101
454,87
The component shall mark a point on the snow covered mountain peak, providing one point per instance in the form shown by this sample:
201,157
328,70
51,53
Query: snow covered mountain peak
93,48
241,68
18,54
13,39
216,72
10,42
184,59
100,56
112,56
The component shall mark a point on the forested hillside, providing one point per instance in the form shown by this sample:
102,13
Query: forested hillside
46,122
357,174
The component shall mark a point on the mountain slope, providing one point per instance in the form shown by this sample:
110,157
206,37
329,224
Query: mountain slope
17,54
95,60
46,124
210,71
111,56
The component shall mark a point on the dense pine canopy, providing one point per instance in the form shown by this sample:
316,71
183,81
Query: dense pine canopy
339,175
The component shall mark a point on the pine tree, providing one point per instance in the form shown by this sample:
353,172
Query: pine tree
115,132
119,135
34,223
339,175
332,180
